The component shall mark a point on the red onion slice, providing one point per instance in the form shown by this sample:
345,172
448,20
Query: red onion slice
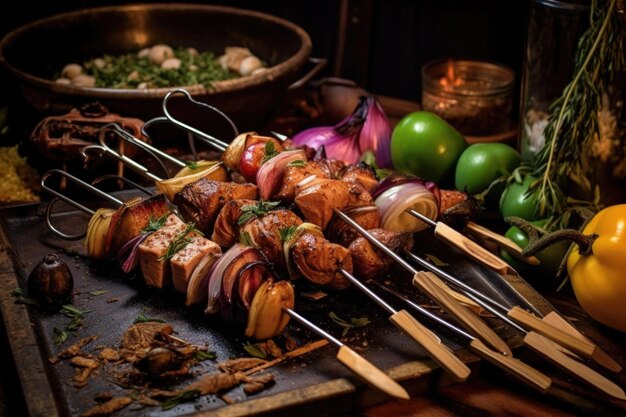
270,176
395,201
128,255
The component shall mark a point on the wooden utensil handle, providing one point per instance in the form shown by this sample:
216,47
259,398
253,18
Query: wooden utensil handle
546,348
431,343
577,345
374,376
425,281
519,369
502,242
471,248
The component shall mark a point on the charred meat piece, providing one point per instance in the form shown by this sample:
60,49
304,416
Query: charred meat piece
319,261
333,167
316,198
338,231
226,231
457,208
358,196
370,261
156,271
360,174
186,260
295,174
130,218
201,201
264,234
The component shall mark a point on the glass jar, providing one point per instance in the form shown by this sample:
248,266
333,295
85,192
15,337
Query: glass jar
554,28
473,96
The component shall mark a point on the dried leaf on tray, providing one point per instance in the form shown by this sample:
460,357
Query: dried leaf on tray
240,364
109,355
83,362
108,407
257,384
216,382
73,350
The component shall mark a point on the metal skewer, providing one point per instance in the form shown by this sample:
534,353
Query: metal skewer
418,332
355,362
540,344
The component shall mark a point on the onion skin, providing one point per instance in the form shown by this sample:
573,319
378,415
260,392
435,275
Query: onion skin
128,256
396,200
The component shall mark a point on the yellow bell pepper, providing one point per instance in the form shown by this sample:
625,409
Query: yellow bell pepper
597,268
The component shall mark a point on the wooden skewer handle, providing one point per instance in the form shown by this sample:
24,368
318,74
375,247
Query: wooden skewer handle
519,369
582,347
431,343
547,349
502,242
374,376
471,248
426,282
599,355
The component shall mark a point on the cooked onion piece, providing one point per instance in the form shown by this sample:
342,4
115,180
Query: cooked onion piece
395,201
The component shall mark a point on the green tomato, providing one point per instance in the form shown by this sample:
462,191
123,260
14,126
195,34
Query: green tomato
550,257
483,163
425,145
515,202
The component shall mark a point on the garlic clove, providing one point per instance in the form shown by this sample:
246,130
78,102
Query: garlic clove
159,53
63,80
249,64
144,53
99,63
83,80
71,71
171,64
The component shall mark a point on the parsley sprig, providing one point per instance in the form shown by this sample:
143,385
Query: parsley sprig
270,151
349,325
286,233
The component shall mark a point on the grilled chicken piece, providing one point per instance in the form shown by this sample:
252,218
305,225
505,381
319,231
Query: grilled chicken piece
358,196
370,261
226,231
319,261
338,231
264,234
130,218
333,167
361,174
295,174
186,260
201,201
157,272
316,198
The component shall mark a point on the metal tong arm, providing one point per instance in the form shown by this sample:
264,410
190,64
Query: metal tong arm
210,140
59,196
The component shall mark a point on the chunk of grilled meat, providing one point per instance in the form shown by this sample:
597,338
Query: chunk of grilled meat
295,174
316,198
360,173
320,261
370,261
264,234
186,260
201,201
130,218
333,167
338,231
226,231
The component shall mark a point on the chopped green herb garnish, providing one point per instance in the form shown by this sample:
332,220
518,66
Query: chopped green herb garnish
287,233
347,326
192,165
270,151
142,318
20,298
256,210
98,292
186,396
60,336
246,239
297,163
179,242
203,355
155,224
254,350
76,315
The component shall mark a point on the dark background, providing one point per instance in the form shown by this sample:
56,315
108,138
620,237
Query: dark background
386,42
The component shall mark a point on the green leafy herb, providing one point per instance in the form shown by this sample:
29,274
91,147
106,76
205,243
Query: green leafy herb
192,165
254,350
20,298
297,163
270,151
179,242
142,318
256,210
98,292
347,326
155,224
60,336
203,355
186,396
287,233
245,239
77,315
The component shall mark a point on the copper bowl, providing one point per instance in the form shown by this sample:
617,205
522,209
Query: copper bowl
34,52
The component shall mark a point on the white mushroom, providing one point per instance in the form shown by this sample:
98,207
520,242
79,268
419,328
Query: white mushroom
170,64
71,70
249,64
99,63
192,51
159,53
63,81
83,80
134,75
142,86
143,53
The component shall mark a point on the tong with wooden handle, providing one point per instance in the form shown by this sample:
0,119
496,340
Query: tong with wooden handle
501,241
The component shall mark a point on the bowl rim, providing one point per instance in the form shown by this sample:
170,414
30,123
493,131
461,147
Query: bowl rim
271,73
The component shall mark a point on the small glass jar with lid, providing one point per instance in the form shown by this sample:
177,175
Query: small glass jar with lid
475,97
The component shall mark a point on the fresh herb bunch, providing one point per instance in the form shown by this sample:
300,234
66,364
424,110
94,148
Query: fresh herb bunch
130,70
574,116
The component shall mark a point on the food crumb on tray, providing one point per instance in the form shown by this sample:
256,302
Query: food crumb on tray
18,180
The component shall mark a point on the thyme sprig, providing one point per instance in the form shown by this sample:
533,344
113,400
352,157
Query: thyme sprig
574,116
256,210
269,152
349,325
155,224
180,242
